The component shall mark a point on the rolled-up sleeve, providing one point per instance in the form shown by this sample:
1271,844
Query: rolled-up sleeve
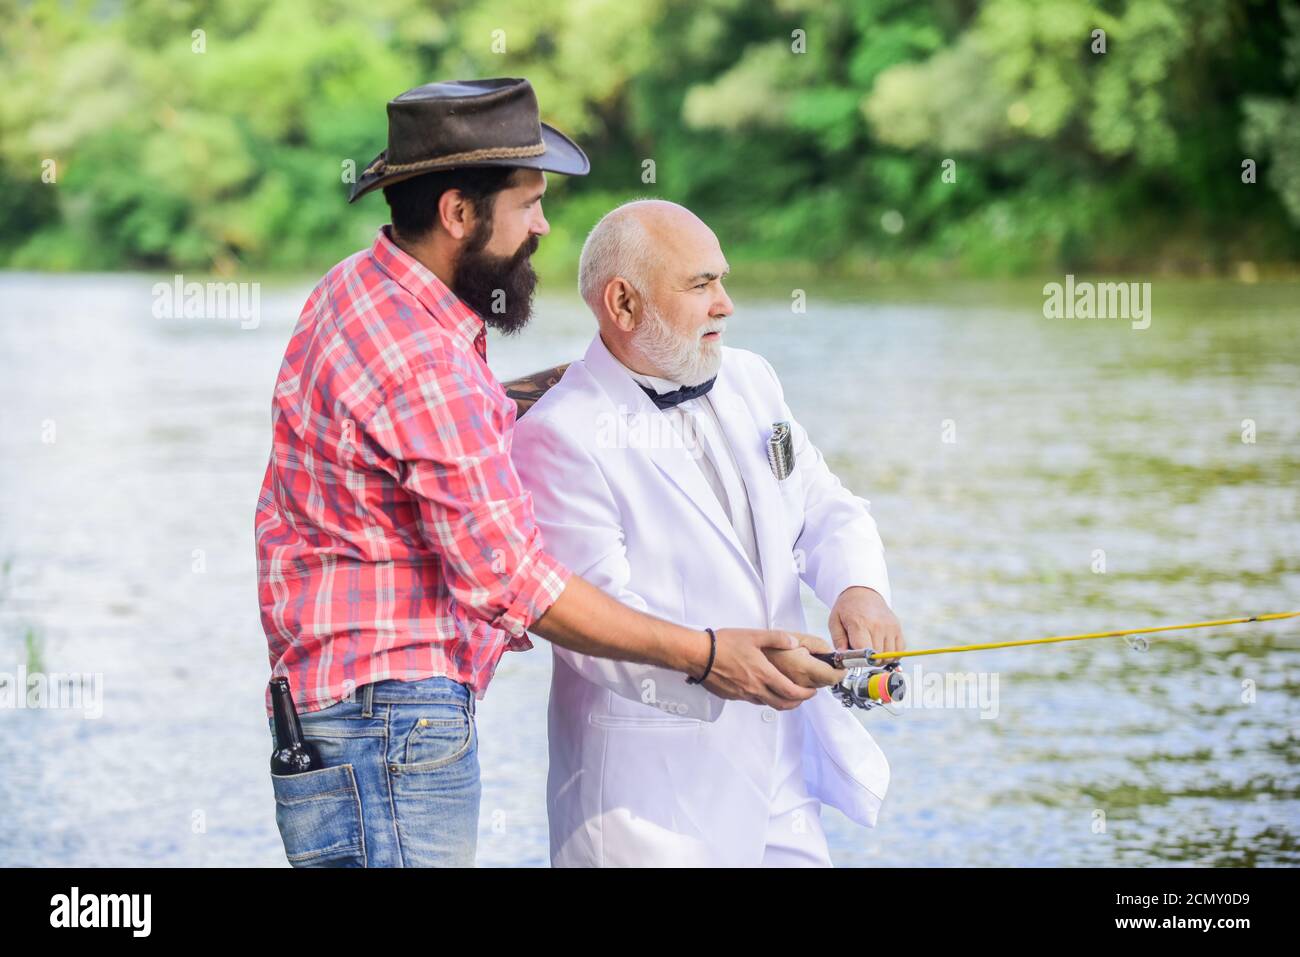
449,432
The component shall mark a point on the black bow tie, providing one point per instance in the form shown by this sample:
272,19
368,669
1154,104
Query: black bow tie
667,400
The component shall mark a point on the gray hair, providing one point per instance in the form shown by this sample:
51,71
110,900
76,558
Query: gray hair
617,246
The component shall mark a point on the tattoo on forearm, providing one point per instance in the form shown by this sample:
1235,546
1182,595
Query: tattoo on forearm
526,390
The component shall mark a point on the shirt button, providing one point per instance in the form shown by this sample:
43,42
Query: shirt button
769,715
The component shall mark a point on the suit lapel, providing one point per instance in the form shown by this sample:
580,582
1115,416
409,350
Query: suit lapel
748,441
672,459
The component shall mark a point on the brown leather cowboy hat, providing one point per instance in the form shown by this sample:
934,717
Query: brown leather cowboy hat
468,123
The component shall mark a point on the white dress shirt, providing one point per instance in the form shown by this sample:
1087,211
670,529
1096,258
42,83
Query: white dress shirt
696,421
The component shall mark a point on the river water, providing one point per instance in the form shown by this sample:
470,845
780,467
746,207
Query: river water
1030,477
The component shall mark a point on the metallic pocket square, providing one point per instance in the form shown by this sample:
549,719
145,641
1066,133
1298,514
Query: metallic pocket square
780,450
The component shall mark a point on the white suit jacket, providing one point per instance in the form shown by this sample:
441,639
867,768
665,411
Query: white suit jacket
623,504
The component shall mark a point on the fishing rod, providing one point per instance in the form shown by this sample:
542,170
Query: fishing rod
870,685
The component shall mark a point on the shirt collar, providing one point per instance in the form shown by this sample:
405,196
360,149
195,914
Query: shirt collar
417,279
659,385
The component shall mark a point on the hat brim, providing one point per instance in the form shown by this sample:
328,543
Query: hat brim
561,155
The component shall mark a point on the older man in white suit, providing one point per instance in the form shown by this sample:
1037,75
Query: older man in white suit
650,477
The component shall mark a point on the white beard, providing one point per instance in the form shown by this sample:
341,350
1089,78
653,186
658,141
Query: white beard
684,359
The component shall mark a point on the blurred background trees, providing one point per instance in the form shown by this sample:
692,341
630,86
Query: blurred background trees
856,137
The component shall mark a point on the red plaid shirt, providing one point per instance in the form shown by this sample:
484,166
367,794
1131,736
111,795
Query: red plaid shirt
394,539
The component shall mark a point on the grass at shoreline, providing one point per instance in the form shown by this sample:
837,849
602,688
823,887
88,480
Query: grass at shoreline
779,276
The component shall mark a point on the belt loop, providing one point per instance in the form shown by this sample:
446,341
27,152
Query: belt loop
471,698
367,700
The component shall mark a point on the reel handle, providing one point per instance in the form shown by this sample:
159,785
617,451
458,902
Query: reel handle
866,684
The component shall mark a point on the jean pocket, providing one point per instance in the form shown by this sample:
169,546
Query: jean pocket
319,816
439,735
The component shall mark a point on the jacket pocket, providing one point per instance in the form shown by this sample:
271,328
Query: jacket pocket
319,817
792,500
615,721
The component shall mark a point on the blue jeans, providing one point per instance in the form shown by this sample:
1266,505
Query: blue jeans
400,783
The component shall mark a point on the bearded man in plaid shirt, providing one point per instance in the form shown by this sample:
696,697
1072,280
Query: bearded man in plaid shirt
398,556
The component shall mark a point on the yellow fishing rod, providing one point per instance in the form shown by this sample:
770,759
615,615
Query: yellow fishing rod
867,685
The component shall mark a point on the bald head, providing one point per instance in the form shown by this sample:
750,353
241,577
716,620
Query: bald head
638,242
651,271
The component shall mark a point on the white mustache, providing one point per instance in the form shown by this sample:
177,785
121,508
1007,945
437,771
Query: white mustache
718,325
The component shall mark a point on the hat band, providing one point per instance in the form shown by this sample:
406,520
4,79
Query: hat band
452,159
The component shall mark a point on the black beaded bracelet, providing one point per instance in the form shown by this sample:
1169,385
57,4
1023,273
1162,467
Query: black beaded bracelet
713,650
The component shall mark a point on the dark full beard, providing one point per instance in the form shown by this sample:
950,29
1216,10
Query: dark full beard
499,288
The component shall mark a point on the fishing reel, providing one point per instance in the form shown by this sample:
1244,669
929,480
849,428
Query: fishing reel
867,683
